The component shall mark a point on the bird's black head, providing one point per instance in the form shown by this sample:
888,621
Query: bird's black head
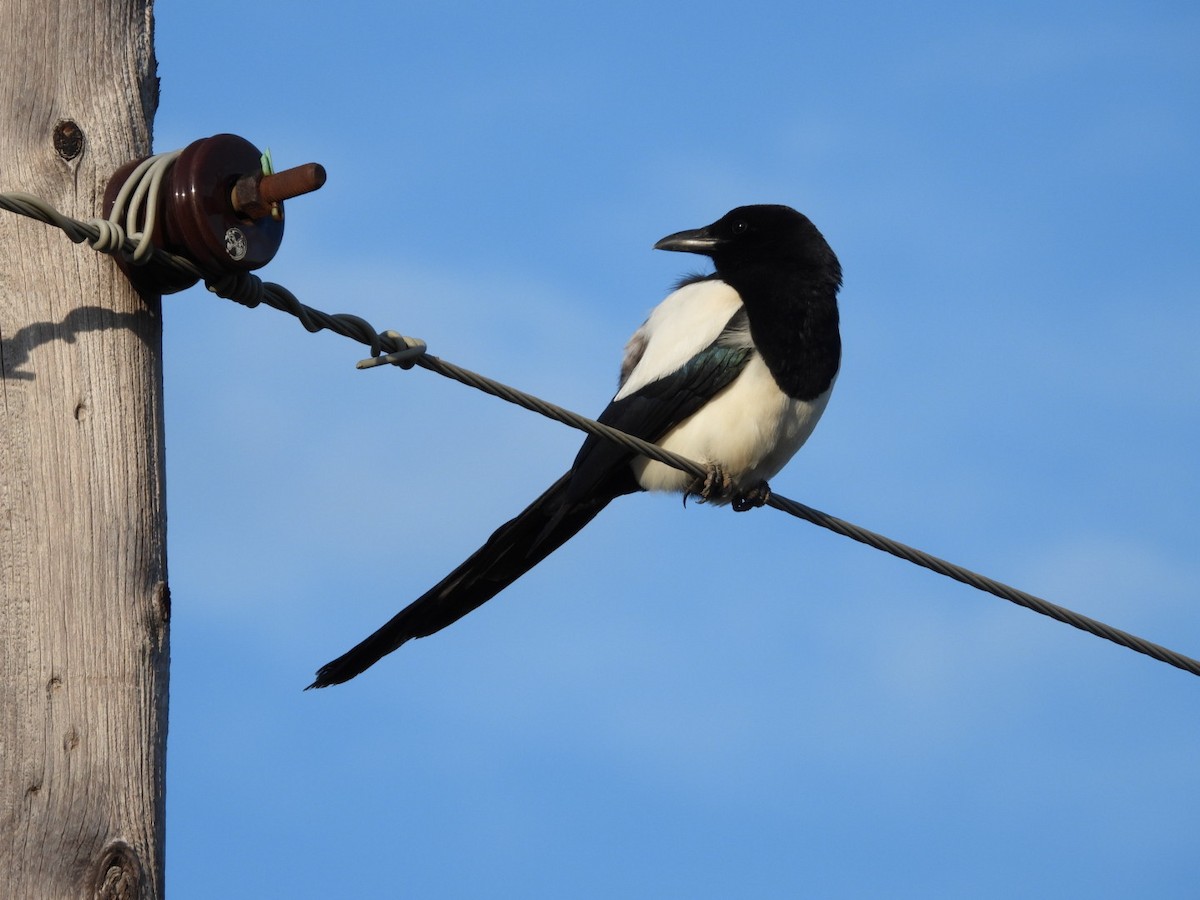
750,236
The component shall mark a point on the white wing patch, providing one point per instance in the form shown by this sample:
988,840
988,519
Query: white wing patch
686,322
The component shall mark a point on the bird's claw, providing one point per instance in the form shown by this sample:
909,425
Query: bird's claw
714,485
752,499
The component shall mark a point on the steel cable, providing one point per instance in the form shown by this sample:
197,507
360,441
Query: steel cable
110,236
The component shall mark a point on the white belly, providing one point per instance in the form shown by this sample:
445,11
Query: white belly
751,429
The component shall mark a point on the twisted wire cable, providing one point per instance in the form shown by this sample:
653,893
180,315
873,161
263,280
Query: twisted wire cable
137,203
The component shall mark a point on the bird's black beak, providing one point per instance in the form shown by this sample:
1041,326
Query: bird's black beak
698,240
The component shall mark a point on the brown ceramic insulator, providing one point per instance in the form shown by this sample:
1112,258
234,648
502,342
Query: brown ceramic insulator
199,217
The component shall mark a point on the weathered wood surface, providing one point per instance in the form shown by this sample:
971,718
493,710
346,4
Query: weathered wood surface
83,601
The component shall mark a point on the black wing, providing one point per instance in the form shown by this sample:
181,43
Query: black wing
653,410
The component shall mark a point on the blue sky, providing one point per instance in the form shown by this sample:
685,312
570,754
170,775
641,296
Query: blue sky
689,703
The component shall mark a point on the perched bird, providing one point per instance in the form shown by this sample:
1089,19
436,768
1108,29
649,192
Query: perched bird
732,370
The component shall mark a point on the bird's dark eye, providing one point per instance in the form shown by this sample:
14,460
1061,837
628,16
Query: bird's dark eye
741,226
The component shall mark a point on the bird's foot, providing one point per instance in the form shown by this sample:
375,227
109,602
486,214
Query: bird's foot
713,486
752,499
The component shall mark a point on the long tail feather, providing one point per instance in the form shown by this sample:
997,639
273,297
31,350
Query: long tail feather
514,548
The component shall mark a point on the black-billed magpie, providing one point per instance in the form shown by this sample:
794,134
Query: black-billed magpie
732,369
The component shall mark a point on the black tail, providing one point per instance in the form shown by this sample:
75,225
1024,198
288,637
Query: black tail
515,548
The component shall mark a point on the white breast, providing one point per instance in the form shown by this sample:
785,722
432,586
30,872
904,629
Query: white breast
751,429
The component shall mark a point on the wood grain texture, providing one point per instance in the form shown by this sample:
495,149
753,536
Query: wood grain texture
83,599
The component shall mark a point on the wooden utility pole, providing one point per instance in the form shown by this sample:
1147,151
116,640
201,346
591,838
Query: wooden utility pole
84,605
